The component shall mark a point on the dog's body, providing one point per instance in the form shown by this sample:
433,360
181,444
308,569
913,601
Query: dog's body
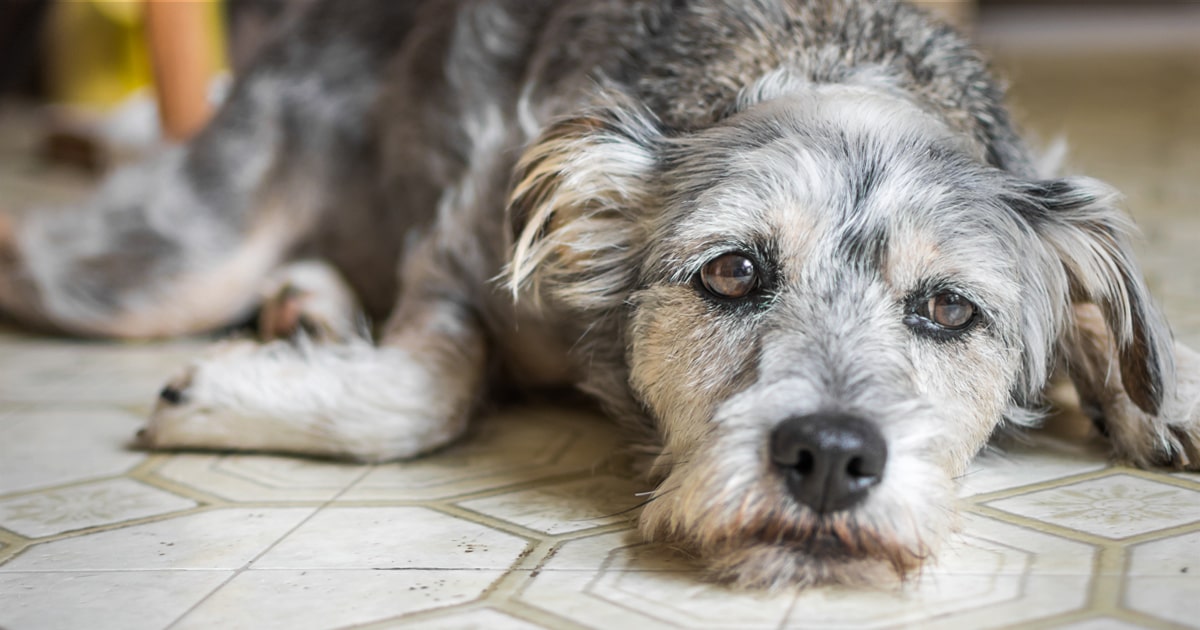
796,250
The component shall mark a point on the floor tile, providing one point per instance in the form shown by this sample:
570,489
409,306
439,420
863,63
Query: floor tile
475,620
87,505
300,600
47,447
565,507
1170,556
218,539
91,373
120,600
992,574
261,477
392,538
1175,599
504,449
652,599
1042,458
1100,623
1116,506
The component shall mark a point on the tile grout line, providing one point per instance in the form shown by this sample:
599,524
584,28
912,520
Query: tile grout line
245,567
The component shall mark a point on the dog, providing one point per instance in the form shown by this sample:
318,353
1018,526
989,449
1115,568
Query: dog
796,249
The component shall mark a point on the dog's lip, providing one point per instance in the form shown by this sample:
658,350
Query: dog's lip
825,536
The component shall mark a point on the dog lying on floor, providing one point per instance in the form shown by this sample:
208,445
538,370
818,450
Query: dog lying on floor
794,248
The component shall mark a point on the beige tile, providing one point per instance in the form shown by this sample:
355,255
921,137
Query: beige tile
1175,599
218,539
261,477
392,538
617,551
1042,459
1115,506
120,600
652,599
615,580
485,619
47,447
1174,556
1100,623
513,447
565,507
84,373
87,505
296,600
993,574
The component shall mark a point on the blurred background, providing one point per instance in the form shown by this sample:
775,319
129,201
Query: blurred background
97,81
87,84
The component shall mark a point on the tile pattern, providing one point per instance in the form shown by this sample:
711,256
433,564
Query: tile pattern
524,525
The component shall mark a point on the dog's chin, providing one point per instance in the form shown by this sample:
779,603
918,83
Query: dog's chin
770,567
774,553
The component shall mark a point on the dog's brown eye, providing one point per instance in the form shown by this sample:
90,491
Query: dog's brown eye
949,310
729,276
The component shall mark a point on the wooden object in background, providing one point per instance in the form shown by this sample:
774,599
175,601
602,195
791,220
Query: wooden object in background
179,50
961,13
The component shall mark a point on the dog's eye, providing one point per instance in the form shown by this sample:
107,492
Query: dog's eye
729,276
948,310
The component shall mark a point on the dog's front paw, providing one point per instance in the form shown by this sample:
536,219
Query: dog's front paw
1171,439
1183,415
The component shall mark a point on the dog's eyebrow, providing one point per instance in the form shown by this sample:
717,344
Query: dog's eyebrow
864,246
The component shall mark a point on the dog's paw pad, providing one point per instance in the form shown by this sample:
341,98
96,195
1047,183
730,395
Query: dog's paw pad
291,311
308,298
1185,448
282,313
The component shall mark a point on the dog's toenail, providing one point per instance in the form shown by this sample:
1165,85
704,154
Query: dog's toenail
171,395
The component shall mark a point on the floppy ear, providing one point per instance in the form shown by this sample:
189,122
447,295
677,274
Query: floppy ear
1080,220
577,196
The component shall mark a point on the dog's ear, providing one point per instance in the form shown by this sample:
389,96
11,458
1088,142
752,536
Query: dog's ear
577,195
1080,219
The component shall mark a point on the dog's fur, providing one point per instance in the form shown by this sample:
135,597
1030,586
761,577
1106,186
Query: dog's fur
550,177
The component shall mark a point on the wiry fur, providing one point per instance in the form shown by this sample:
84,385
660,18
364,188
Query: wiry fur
527,191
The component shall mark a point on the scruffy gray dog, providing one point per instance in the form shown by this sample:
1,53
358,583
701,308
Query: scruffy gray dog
795,248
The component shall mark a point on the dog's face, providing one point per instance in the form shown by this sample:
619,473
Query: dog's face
829,304
827,328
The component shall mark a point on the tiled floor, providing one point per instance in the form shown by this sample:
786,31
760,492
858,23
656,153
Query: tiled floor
524,525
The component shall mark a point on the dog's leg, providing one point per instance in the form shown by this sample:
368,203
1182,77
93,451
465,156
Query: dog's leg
312,298
412,393
180,243
1169,438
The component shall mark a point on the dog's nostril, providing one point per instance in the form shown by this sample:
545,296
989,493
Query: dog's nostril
855,468
805,463
831,460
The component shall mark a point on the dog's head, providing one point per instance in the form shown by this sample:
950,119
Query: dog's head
827,302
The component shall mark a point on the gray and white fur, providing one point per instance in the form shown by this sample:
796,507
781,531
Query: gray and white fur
537,193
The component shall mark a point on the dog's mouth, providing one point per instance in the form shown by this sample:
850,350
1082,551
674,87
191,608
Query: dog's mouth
832,549
833,537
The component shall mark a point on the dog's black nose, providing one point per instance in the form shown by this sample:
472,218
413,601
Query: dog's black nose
830,460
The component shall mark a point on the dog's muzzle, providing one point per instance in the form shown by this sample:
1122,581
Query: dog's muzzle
829,460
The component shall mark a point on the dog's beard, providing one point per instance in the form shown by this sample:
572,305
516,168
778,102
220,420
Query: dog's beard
726,506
